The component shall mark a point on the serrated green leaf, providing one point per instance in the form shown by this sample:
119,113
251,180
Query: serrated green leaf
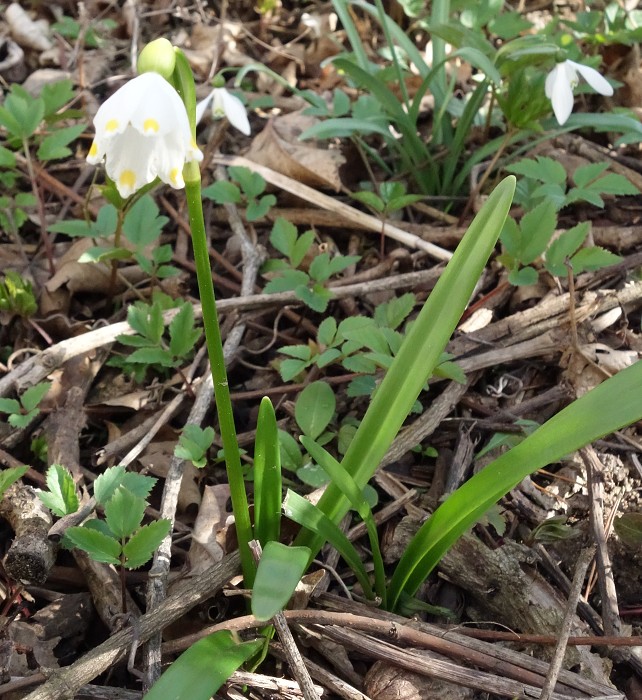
61,499
585,174
55,146
143,225
152,356
19,420
537,227
316,298
523,277
326,332
124,512
34,395
9,406
141,546
139,484
290,369
107,483
99,546
10,476
258,209
251,183
564,246
594,258
182,334
283,236
301,247
370,199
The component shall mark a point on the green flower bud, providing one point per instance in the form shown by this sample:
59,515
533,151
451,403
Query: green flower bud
159,57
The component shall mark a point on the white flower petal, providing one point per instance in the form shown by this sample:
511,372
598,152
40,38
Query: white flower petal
235,112
202,106
560,92
600,84
143,132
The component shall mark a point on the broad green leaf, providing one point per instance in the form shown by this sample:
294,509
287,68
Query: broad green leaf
615,403
100,547
286,282
283,236
152,356
290,369
10,476
193,444
370,199
7,158
300,352
544,169
201,670
56,95
278,574
314,409
628,528
34,395
61,499
124,512
251,183
316,298
310,517
420,353
9,406
267,476
142,544
327,331
223,192
107,483
524,276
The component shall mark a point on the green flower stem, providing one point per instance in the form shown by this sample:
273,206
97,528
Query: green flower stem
192,177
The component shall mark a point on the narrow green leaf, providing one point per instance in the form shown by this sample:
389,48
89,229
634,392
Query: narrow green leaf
124,512
419,354
615,403
141,545
314,409
313,519
277,576
100,547
201,670
267,476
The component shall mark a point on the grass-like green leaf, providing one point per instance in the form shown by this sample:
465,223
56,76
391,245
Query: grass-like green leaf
141,545
277,575
267,476
615,403
201,670
419,354
313,519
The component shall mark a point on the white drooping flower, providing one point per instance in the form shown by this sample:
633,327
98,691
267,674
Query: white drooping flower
143,132
561,81
224,104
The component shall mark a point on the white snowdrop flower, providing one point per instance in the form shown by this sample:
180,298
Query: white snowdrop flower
224,104
143,132
561,81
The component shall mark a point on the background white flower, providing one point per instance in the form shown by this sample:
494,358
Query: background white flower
561,81
224,104
143,133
